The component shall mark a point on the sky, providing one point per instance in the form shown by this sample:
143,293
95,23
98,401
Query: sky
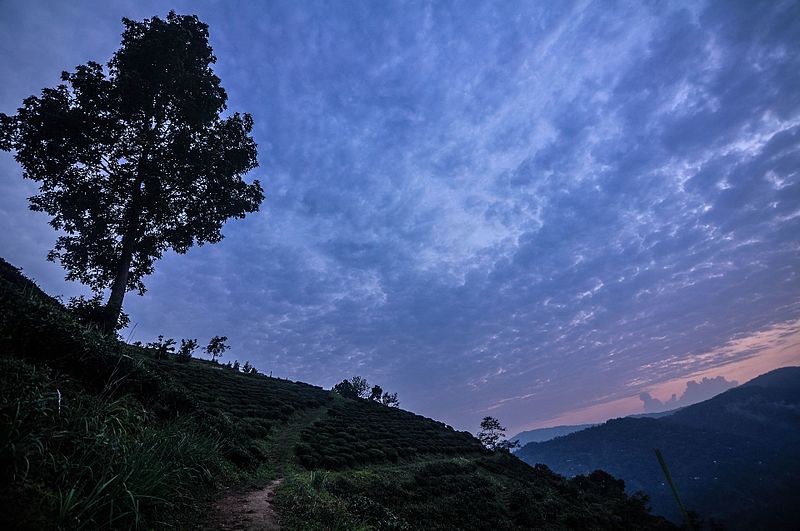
537,211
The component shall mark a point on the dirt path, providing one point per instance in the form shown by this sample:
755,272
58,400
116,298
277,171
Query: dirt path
252,510
247,511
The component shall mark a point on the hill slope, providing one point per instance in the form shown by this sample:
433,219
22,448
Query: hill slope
545,434
733,457
98,434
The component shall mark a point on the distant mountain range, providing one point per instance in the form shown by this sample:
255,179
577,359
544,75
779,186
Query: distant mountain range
546,434
733,457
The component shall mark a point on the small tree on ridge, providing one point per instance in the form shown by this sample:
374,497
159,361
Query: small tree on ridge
345,389
216,347
492,434
162,348
390,400
376,393
187,348
360,385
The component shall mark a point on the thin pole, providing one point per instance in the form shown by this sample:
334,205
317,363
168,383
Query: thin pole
674,489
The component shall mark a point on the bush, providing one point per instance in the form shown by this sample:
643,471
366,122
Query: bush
162,348
188,346
92,312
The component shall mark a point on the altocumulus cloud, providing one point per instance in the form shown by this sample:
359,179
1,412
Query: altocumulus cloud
516,208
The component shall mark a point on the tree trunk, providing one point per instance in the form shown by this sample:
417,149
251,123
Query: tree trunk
129,240
120,285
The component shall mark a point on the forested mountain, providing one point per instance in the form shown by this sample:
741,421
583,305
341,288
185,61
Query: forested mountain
546,434
734,457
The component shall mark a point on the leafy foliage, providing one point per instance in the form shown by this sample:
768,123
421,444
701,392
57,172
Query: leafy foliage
187,348
135,158
492,435
92,312
360,386
390,399
216,347
357,433
37,327
96,457
376,392
243,411
162,348
346,389
486,492
88,434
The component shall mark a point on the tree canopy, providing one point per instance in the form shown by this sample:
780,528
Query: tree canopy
376,393
492,435
135,158
358,387
345,389
216,347
361,386
390,399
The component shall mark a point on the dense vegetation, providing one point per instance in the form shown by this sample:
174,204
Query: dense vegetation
490,492
89,436
362,432
98,434
244,410
733,457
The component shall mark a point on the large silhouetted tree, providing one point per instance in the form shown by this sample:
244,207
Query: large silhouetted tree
135,158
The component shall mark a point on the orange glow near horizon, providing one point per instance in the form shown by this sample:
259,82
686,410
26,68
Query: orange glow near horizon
750,356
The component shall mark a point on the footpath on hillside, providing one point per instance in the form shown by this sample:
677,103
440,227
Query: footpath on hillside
243,509
247,511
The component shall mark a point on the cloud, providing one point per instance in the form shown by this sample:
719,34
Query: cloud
696,391
529,208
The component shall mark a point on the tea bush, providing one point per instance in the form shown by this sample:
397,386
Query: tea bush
361,432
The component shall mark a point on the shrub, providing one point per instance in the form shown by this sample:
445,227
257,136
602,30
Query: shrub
92,312
188,346
216,347
162,348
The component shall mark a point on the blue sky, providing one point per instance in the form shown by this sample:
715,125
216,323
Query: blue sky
522,209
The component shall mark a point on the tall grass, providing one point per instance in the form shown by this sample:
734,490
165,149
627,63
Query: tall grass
100,463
